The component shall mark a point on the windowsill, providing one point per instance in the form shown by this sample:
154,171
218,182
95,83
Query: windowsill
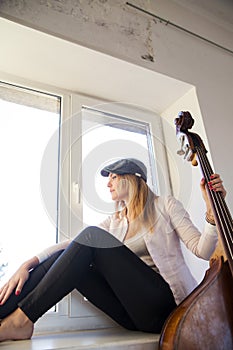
114,338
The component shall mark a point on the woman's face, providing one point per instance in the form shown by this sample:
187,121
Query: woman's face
118,188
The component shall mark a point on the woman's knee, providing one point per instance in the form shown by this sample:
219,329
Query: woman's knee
96,237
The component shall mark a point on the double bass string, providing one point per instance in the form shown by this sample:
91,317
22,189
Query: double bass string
220,205
217,197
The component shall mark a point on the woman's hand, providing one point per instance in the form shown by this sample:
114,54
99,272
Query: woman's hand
17,281
215,184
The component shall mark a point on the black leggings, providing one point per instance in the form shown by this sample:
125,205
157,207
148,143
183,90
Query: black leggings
107,273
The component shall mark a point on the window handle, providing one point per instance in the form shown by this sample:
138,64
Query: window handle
76,193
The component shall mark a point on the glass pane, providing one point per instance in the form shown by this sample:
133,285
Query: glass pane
24,134
105,139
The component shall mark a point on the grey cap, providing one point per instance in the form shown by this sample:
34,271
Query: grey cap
126,166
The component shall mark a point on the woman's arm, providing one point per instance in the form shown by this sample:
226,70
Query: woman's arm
46,253
18,279
215,184
202,245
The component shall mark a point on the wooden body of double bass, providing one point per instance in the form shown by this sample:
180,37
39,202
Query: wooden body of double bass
204,320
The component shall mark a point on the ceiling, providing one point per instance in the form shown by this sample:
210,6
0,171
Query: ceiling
60,63
64,64
218,11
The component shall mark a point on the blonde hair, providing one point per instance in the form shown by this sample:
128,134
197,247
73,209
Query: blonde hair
141,201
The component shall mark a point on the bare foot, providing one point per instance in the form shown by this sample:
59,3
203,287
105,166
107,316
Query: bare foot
16,326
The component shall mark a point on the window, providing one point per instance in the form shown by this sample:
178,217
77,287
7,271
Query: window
28,121
39,200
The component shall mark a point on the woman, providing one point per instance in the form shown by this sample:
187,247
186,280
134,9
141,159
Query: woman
131,266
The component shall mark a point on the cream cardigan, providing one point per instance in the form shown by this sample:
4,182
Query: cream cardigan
172,224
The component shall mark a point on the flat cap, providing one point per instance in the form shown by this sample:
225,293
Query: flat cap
126,166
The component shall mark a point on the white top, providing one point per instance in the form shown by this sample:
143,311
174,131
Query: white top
172,225
138,246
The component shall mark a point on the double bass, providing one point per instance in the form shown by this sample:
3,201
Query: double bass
204,320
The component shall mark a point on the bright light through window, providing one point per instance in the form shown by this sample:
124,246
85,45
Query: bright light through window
25,227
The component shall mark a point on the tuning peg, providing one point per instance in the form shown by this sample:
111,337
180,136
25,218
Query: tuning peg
187,153
194,160
181,151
